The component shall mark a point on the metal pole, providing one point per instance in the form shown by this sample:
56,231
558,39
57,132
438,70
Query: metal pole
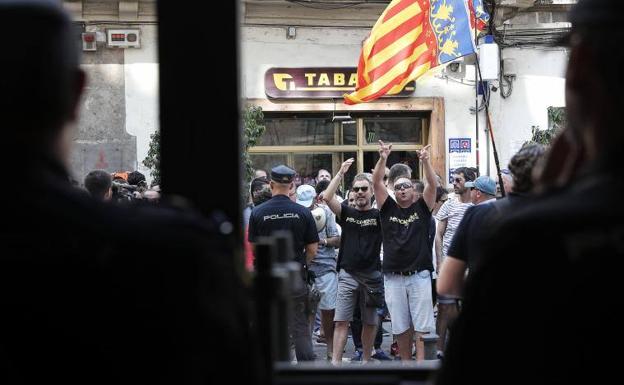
489,128
476,95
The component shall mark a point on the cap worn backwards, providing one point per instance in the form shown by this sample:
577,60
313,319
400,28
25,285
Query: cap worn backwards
305,195
484,183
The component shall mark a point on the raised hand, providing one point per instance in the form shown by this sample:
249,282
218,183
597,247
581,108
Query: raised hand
384,150
424,153
345,165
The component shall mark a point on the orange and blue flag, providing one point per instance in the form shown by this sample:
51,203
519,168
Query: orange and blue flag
410,38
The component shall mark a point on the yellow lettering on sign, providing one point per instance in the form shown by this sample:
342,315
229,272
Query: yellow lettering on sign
353,80
310,78
339,79
323,80
280,81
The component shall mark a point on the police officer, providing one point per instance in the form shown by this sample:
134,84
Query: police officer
281,213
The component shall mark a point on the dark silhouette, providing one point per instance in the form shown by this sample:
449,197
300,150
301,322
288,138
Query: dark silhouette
98,183
542,306
89,292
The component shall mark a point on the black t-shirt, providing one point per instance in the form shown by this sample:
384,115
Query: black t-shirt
406,237
471,233
280,213
360,242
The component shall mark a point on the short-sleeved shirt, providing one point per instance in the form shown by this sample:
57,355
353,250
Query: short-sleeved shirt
452,211
406,237
360,242
471,233
325,259
478,223
280,213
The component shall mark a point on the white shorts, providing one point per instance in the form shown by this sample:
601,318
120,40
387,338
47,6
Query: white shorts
409,302
327,285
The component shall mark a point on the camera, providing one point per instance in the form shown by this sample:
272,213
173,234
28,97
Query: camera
123,192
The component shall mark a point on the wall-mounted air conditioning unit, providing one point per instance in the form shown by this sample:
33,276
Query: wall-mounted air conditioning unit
123,38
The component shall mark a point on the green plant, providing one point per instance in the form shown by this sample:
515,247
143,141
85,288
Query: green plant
556,118
152,160
556,122
253,129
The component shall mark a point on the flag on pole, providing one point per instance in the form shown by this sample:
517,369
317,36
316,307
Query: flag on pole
410,38
478,14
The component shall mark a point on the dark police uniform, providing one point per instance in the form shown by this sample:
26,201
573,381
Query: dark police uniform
280,213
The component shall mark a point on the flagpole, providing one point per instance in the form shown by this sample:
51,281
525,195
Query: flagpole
489,128
476,93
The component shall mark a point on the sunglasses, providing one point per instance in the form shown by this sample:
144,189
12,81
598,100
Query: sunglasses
358,189
457,180
401,186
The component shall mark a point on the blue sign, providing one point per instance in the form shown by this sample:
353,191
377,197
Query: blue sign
460,145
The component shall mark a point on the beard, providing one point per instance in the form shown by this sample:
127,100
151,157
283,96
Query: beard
361,202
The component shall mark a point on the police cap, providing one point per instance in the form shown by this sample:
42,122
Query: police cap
282,174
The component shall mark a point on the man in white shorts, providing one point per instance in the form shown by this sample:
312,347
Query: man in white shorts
407,263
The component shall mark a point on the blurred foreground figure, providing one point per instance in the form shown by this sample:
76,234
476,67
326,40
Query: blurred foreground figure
542,309
92,293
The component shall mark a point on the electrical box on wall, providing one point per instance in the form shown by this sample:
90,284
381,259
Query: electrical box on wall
489,59
123,38
89,41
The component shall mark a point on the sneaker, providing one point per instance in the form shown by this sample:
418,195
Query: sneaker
381,355
357,356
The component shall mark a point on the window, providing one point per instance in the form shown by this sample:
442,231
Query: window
308,142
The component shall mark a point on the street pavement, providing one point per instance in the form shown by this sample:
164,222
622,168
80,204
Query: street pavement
321,349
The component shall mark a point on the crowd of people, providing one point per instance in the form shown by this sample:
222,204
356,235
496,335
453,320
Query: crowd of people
100,293
120,187
376,254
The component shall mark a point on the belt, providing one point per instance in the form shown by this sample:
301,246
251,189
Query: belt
405,273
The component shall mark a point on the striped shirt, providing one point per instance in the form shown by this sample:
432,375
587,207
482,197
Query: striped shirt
452,211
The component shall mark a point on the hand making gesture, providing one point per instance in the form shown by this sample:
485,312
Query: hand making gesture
384,150
423,154
345,166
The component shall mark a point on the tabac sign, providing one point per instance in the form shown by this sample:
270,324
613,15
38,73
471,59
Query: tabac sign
333,82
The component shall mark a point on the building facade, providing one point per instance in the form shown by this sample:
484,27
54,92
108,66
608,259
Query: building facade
320,38
316,45
120,106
